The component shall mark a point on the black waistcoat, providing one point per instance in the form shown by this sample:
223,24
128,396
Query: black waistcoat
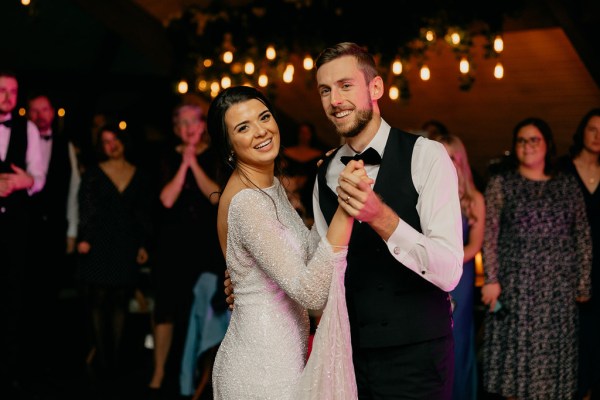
49,205
388,304
16,204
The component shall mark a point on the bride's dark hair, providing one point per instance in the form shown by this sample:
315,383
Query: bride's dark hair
219,136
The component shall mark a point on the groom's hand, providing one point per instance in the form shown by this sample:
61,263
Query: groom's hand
353,180
364,204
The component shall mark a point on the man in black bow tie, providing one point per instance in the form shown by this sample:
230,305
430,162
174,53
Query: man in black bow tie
21,175
53,228
407,253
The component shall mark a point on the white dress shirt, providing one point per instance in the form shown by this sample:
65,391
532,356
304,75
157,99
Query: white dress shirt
33,158
72,203
437,253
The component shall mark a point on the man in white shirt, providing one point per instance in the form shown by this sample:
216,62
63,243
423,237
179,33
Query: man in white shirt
21,174
406,254
52,231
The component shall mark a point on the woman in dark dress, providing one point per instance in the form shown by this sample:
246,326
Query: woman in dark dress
114,226
537,258
187,243
583,162
300,169
472,206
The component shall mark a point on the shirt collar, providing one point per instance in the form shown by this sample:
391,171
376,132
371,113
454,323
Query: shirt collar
378,142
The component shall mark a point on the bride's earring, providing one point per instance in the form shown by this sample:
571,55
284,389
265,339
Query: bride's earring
230,159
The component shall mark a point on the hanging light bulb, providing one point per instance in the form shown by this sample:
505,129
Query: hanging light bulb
430,35
394,92
227,57
397,67
498,44
464,65
202,85
214,87
249,68
271,53
263,80
455,38
207,62
225,82
425,73
182,86
308,62
499,71
288,74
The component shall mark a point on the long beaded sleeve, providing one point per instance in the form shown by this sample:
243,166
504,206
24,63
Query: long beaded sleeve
279,243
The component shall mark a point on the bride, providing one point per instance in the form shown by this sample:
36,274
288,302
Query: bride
278,266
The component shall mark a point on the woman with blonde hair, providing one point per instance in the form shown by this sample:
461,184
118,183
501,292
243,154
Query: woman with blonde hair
472,205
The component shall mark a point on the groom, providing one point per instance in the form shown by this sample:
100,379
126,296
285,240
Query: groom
407,253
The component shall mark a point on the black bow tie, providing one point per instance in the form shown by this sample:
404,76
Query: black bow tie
7,123
46,137
369,156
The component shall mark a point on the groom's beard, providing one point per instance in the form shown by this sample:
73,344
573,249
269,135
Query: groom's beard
363,117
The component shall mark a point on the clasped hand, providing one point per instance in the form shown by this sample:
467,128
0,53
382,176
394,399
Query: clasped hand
10,182
355,196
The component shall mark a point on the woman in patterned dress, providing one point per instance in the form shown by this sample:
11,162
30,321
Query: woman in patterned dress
537,260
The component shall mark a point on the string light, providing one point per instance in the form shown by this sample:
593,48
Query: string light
498,71
248,56
425,73
464,66
182,87
498,44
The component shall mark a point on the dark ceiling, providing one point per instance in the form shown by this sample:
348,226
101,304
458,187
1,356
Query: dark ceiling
117,57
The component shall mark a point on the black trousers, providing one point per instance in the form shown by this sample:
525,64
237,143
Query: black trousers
423,371
13,240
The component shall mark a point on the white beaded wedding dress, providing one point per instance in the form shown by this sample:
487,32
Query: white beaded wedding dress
279,269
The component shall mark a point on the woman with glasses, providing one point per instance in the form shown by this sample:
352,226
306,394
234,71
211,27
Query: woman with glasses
537,258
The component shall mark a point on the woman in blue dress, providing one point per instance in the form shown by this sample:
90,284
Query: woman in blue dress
473,216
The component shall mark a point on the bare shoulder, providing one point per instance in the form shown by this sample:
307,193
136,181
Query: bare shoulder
478,203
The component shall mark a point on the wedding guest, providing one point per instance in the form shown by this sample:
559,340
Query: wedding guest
186,240
472,205
114,229
22,174
537,257
583,162
300,169
53,229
